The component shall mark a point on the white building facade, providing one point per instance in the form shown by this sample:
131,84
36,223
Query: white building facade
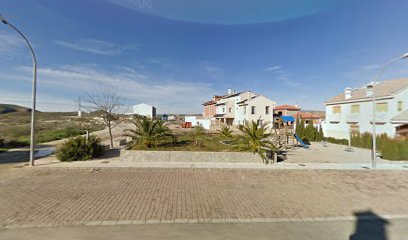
257,108
352,111
238,108
144,109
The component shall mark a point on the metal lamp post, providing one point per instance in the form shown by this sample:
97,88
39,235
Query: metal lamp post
34,89
374,152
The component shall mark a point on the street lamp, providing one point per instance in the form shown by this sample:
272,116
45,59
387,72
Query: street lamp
34,89
377,79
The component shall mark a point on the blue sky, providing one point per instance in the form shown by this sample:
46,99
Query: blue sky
177,54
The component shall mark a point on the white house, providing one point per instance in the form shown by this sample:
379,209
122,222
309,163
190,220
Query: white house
351,111
236,108
257,108
144,109
198,121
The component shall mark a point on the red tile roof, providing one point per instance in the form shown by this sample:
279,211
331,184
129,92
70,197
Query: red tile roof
211,102
305,115
287,107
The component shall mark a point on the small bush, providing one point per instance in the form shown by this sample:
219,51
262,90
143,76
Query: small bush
78,149
225,131
392,149
337,141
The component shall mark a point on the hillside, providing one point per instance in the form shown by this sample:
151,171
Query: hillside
9,108
321,114
15,125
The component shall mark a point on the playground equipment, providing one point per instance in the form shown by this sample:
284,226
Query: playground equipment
283,128
300,141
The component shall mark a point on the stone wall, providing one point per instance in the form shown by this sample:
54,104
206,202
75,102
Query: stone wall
184,156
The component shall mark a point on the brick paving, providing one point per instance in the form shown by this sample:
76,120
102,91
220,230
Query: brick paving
63,197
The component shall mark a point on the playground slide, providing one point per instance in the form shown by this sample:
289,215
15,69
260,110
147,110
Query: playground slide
300,141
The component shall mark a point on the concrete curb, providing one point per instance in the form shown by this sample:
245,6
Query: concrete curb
213,221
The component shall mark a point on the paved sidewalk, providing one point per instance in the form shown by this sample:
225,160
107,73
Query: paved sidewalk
45,197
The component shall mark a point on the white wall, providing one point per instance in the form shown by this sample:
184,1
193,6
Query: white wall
259,103
143,110
205,123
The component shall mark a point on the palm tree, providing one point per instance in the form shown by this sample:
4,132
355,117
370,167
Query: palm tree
147,131
225,131
255,139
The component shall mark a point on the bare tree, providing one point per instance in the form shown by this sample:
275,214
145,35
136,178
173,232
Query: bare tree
107,103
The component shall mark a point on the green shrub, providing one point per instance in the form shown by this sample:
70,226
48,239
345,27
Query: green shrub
392,149
337,141
225,131
79,149
48,136
310,132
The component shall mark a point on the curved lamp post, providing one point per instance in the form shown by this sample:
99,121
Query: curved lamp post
34,90
373,152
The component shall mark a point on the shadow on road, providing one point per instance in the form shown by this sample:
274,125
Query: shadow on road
369,226
19,156
110,153
22,155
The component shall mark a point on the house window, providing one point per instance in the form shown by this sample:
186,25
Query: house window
229,109
381,107
223,110
336,109
400,106
267,110
253,110
355,108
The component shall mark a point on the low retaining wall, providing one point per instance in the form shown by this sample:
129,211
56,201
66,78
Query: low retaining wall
184,156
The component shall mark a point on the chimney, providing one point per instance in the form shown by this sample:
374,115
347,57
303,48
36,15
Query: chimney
369,89
347,93
230,91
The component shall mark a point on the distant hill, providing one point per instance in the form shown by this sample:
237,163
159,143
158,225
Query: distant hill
321,114
9,108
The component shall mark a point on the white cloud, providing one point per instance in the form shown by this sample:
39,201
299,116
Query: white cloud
273,68
283,76
95,46
168,95
211,69
10,43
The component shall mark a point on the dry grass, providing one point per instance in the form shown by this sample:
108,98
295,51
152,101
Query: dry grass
15,126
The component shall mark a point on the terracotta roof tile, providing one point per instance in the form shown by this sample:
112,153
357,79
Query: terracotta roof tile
305,115
287,107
